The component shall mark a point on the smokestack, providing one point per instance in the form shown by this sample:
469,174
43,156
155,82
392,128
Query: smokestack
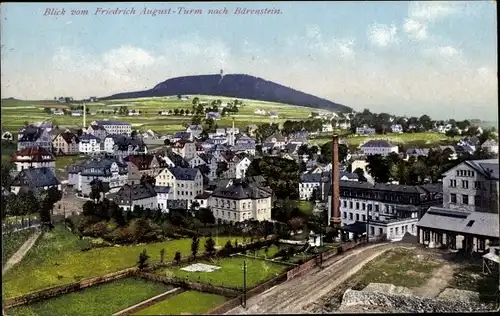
335,202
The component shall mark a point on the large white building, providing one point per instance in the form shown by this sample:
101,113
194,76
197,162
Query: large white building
311,180
378,147
34,157
185,148
32,136
89,144
112,172
114,127
386,209
241,201
185,183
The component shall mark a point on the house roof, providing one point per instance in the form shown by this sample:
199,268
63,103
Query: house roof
181,143
489,143
107,123
135,192
162,189
101,167
242,190
182,135
203,196
177,159
180,173
142,162
85,138
206,157
278,136
36,154
377,143
475,223
36,178
417,151
419,189
195,127
487,167
69,137
30,133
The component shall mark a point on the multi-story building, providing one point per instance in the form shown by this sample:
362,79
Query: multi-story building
195,130
386,209
89,144
241,201
112,171
66,143
490,146
97,130
365,130
123,146
472,186
162,197
184,183
34,157
468,219
311,180
244,144
378,147
140,194
32,136
34,180
114,127
146,164
237,167
278,140
185,148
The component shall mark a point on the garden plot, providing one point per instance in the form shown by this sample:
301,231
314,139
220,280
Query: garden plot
200,267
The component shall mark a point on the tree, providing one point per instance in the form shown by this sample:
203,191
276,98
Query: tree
176,111
166,142
177,257
453,132
206,216
221,168
195,245
195,101
96,189
210,246
378,168
133,134
142,263
228,246
6,168
182,112
361,174
296,223
162,255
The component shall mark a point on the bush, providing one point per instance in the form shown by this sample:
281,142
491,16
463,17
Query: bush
84,244
98,229
122,235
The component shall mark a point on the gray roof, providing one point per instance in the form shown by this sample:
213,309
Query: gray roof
417,151
489,143
162,189
242,190
184,173
376,143
140,191
476,223
101,167
30,133
486,167
106,122
278,136
36,178
420,189
88,137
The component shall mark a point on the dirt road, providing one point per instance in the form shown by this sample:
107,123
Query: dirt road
298,295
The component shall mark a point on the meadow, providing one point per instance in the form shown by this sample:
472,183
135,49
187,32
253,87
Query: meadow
230,274
56,259
16,112
423,139
104,299
11,242
188,302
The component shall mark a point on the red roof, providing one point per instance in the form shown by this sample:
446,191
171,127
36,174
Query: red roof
36,154
181,143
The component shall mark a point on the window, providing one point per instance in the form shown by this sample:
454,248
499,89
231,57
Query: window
465,184
453,183
470,223
345,214
372,230
370,207
357,217
350,216
458,173
397,231
364,218
350,205
345,203
477,200
363,206
453,198
357,205
477,184
465,199
391,231
380,231
376,208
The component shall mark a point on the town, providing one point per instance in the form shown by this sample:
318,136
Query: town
266,186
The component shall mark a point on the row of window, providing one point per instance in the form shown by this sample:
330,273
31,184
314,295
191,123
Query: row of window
465,184
373,195
465,199
228,214
465,173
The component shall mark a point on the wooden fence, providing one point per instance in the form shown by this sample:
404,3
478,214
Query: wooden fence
144,304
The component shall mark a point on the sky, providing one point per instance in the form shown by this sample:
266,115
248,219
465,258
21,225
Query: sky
405,58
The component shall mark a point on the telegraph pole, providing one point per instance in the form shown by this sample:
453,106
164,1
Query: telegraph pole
244,283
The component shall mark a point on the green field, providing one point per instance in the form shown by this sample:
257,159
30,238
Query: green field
230,275
56,259
16,112
104,299
189,302
13,241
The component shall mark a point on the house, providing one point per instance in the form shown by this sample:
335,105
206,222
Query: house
213,115
140,195
320,179
208,160
34,157
98,131
184,183
185,148
202,199
195,130
66,143
74,173
241,201
468,217
34,180
378,147
251,129
326,128
451,150
182,136
113,172
165,113
343,124
114,127
89,144
490,146
273,115
33,136
237,166
58,112
162,197
133,113
175,160
244,144
146,164
76,113
397,128
259,112
150,134
384,209
365,130
277,139
417,152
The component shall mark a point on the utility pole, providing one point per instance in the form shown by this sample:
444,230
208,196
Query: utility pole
367,223
244,283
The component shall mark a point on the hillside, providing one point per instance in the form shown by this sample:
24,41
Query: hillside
237,86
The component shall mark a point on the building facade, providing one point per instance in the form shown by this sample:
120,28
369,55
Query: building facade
34,157
114,127
185,183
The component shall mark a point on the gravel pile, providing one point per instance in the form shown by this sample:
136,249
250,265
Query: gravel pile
387,288
406,303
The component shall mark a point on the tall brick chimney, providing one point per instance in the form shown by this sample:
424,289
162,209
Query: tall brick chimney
335,202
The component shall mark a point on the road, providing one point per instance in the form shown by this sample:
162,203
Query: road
300,294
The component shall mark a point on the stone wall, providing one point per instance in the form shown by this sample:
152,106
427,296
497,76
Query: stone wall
66,288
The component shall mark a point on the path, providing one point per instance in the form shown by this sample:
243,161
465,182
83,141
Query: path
21,252
438,282
295,295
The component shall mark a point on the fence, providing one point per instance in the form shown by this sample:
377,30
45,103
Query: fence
144,304
26,223
63,289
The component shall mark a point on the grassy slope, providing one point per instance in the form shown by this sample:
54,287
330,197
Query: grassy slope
55,259
230,274
12,242
104,299
189,302
16,112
